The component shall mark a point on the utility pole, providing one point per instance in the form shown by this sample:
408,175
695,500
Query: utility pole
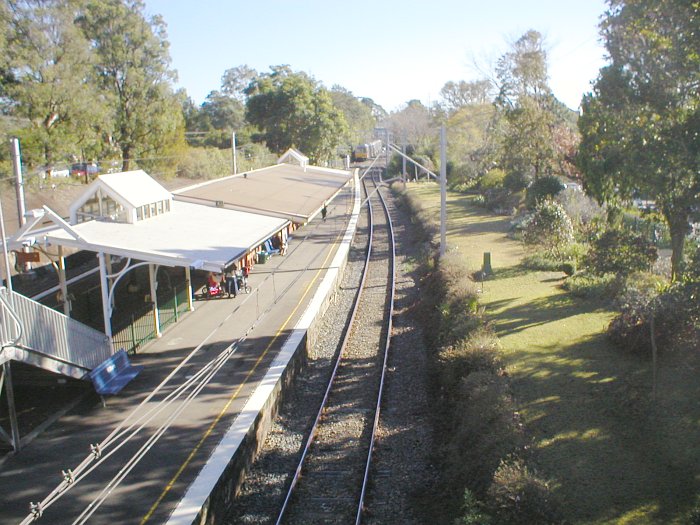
233,150
403,167
387,152
19,183
443,190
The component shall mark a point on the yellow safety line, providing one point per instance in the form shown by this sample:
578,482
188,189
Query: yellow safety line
172,482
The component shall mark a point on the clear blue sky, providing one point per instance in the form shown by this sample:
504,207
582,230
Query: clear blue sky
389,50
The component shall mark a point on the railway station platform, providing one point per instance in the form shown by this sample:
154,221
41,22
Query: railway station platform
160,455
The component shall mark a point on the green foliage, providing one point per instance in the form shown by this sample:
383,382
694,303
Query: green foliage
586,285
293,110
205,163
541,261
518,496
472,513
358,116
549,227
621,252
459,309
53,89
480,351
544,188
569,268
639,126
494,178
485,430
675,310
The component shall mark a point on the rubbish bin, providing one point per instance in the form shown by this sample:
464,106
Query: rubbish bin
262,257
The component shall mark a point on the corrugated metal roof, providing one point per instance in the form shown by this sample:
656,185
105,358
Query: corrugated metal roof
285,190
190,235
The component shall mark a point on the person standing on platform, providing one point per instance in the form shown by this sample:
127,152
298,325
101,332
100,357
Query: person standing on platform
324,211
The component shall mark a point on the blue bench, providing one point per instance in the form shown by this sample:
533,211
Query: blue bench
269,249
113,374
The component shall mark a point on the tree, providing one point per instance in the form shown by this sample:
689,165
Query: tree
235,81
133,66
293,110
457,95
525,102
358,115
52,83
414,125
640,124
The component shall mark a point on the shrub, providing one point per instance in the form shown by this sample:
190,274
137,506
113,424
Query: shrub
676,313
485,430
590,286
550,227
544,188
479,352
205,163
621,252
569,268
493,179
517,496
471,511
459,308
541,262
584,212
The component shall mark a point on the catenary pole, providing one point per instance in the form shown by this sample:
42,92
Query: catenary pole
233,150
443,190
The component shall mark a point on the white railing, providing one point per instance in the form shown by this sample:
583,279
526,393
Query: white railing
35,328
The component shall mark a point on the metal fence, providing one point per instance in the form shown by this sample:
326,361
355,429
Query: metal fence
140,327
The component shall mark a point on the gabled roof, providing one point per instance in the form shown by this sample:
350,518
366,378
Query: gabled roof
132,189
293,154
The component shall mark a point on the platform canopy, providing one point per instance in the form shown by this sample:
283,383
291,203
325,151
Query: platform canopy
190,235
290,191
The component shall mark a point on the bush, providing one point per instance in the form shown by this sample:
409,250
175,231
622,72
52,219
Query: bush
550,227
544,188
479,352
569,268
676,313
587,285
485,430
541,262
459,314
492,180
205,163
621,252
517,496
471,511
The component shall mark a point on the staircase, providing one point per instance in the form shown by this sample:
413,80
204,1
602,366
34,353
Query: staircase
40,336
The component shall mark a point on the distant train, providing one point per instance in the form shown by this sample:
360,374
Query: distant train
368,151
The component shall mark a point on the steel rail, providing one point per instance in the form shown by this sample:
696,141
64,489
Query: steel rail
346,339
119,434
377,412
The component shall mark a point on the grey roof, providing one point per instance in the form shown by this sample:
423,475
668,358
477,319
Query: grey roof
285,190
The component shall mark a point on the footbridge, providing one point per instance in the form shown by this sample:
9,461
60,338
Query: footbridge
42,337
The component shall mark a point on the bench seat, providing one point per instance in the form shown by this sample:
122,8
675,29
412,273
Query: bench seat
113,374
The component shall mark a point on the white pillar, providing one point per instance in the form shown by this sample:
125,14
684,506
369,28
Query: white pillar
233,150
154,299
104,288
443,190
62,281
188,284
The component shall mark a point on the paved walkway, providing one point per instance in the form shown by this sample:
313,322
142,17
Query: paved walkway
153,486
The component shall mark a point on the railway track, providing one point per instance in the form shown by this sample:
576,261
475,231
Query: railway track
331,478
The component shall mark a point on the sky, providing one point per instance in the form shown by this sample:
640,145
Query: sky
391,51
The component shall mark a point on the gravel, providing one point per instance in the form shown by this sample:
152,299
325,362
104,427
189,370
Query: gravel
401,462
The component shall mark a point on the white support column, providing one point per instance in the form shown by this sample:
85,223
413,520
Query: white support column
443,191
104,288
62,281
188,284
154,299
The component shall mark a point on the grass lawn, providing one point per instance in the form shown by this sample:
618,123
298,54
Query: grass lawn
612,454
